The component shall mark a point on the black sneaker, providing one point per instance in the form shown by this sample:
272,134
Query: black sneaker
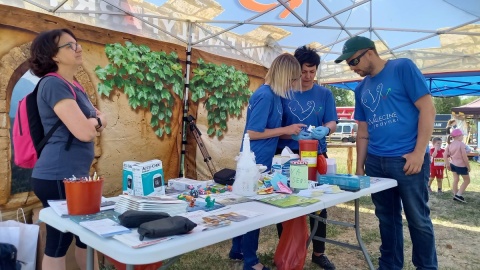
459,198
323,262
235,256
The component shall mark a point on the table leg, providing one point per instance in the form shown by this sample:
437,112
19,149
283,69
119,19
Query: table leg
359,237
350,160
90,258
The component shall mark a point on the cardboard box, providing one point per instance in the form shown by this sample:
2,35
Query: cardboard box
148,178
181,184
127,177
345,180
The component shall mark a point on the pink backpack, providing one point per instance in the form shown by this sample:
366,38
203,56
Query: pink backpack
28,134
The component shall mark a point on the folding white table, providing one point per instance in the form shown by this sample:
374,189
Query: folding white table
181,245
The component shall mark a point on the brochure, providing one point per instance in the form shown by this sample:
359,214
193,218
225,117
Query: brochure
60,206
104,227
284,201
132,239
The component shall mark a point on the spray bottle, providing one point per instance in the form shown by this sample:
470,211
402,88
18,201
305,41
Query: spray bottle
247,174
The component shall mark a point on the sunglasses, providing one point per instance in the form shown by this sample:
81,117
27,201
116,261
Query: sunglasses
355,61
72,45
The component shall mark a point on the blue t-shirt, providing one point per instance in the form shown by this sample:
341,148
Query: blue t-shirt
264,112
314,107
55,163
386,103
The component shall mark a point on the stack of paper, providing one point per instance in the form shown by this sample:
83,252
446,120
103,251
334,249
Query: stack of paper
166,204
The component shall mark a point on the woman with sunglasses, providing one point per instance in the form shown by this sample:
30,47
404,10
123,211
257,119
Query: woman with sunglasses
70,150
264,126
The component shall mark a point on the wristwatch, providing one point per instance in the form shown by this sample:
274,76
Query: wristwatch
97,127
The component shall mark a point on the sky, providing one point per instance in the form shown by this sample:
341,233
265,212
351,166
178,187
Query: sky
406,14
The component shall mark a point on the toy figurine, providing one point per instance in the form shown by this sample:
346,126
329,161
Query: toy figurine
229,188
201,191
209,202
194,192
181,197
192,202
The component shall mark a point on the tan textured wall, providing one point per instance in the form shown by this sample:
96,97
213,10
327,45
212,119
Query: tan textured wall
128,135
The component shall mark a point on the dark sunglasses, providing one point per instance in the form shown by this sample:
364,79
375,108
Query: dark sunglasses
72,45
356,60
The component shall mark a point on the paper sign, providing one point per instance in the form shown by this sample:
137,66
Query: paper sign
299,176
439,162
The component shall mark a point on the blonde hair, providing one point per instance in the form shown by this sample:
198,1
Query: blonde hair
284,75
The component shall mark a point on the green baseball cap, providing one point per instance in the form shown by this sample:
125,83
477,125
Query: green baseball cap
353,45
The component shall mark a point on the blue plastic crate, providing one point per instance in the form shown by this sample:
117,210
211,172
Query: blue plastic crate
346,180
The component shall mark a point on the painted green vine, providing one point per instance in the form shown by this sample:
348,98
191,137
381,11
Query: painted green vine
225,90
146,77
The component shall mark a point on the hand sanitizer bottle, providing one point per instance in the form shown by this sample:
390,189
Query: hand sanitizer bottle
247,174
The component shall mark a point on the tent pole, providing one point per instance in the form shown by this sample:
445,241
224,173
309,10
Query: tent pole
185,98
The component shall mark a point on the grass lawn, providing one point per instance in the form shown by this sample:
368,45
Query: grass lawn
457,231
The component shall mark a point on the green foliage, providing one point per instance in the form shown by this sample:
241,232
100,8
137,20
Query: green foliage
343,97
224,91
468,99
146,77
445,105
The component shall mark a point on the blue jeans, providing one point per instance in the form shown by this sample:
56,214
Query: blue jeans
412,193
247,244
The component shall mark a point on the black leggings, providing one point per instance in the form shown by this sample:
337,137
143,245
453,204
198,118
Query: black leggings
57,242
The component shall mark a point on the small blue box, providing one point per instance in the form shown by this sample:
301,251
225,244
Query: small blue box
345,180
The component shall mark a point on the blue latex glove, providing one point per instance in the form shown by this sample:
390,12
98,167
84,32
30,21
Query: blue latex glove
320,132
303,135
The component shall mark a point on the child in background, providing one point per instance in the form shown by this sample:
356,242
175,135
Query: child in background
458,164
437,163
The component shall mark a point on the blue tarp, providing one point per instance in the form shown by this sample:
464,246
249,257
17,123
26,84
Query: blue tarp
449,84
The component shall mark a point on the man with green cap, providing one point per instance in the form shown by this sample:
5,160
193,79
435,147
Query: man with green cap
395,114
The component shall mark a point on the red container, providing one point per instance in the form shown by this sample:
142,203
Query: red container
83,197
308,153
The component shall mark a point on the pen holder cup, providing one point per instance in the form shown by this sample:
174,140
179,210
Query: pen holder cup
83,197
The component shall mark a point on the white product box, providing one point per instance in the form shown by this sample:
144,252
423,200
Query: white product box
127,177
181,184
148,178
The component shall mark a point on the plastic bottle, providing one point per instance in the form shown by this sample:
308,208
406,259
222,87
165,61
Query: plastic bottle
247,174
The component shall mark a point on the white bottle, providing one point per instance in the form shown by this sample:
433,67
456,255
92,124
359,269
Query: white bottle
247,174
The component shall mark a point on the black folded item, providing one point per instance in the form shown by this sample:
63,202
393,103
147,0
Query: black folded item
225,177
134,218
166,227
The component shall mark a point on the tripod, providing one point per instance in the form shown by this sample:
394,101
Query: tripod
196,133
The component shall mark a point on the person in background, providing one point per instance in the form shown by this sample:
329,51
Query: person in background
437,164
314,105
451,124
58,51
395,114
459,164
264,126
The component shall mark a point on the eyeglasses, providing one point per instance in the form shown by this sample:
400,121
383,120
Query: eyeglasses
356,60
73,45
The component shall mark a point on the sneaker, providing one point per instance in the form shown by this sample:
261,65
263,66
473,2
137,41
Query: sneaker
440,191
430,190
459,198
235,256
323,262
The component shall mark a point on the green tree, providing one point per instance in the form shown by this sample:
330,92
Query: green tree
468,99
343,97
445,105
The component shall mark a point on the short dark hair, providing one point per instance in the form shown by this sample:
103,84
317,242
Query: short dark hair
436,139
306,55
44,48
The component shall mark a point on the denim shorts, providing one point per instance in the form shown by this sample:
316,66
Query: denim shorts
459,170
